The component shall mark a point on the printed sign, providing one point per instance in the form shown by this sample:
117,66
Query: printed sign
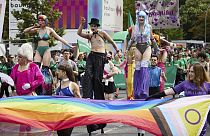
112,15
2,13
163,14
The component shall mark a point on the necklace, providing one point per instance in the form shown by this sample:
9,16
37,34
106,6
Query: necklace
64,80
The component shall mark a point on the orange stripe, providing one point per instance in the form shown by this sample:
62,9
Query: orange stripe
81,11
73,17
65,16
144,124
54,117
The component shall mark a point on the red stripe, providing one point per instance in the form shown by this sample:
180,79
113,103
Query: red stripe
144,124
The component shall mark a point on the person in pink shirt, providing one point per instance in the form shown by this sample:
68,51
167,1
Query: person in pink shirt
26,74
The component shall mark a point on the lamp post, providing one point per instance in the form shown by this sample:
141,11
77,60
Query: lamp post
205,21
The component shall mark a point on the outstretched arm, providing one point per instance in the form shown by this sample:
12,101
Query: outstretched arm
166,92
56,36
81,26
109,39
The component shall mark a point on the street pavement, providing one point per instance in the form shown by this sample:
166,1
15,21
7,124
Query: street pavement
115,129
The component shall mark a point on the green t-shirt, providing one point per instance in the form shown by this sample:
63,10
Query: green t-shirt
53,66
192,61
81,64
3,68
182,63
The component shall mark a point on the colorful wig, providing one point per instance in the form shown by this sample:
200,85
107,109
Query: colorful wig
147,26
44,18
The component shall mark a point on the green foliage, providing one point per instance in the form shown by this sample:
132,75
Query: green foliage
28,17
128,6
193,15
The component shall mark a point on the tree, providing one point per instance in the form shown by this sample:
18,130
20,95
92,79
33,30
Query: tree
193,18
28,17
128,6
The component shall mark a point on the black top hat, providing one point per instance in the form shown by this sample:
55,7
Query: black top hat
94,21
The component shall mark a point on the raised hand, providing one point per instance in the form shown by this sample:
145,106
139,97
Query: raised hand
83,20
36,25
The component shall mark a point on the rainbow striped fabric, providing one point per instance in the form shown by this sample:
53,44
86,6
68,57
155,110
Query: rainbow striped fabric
185,116
71,11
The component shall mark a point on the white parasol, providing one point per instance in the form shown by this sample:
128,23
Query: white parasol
7,79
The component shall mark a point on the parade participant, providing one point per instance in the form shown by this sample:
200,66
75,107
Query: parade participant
155,74
67,87
117,61
142,35
26,75
96,59
42,54
44,32
193,59
164,45
129,68
196,84
4,68
67,61
202,60
81,64
109,71
92,80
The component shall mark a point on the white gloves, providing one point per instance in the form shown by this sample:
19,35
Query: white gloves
3,80
26,86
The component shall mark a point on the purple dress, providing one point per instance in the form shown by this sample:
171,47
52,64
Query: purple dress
190,89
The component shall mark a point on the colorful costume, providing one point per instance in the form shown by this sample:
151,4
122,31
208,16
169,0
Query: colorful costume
46,87
33,76
141,74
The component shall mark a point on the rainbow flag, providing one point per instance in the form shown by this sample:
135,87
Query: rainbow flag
185,116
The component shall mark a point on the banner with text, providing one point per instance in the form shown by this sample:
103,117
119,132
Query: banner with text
163,14
112,15
14,5
2,13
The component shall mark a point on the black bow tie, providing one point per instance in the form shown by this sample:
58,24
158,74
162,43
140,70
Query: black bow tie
95,32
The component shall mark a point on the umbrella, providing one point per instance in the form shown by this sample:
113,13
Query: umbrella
120,36
6,79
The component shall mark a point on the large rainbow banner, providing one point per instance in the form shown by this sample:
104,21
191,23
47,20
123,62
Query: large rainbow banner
184,116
